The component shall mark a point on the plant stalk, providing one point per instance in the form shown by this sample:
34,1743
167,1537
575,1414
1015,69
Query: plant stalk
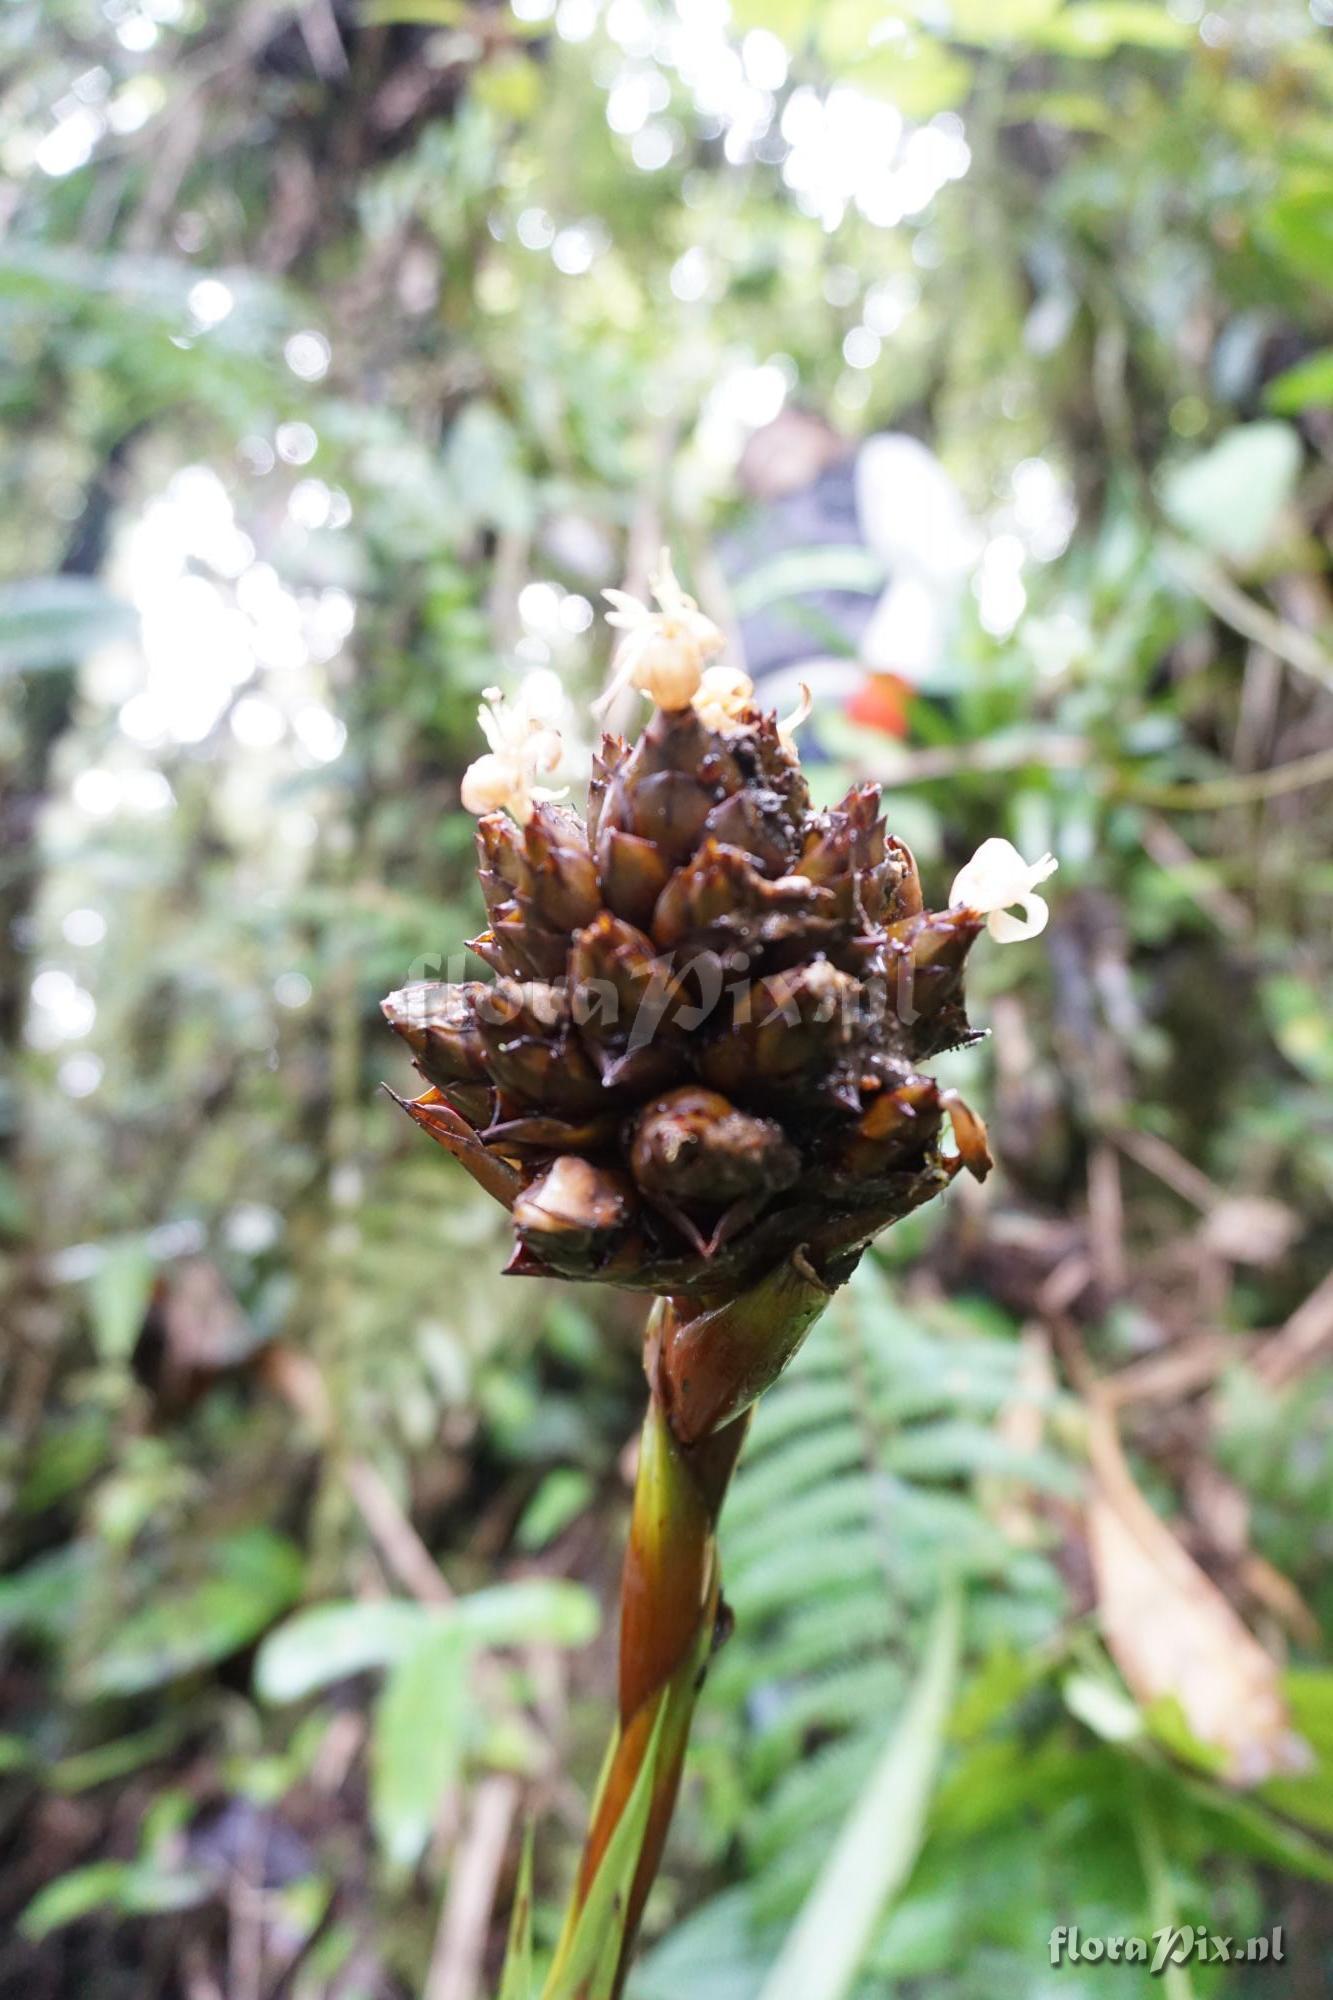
705,1371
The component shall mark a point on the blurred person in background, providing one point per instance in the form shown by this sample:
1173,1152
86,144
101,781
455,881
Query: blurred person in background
847,570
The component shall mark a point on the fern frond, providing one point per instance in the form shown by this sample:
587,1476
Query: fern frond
810,1458
837,1627
857,1498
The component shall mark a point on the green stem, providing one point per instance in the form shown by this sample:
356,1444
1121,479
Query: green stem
1176,1982
670,1599
705,1370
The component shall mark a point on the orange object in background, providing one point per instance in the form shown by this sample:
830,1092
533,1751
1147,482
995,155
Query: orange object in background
881,702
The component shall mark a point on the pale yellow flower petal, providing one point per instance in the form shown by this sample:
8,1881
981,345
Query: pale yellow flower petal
522,743
725,694
789,725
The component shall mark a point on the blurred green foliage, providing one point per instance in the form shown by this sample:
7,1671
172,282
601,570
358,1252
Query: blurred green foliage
327,331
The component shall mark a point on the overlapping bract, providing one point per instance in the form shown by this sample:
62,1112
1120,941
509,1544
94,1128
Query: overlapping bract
701,1051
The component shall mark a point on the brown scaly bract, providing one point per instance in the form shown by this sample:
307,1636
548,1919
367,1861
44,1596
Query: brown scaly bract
702,1051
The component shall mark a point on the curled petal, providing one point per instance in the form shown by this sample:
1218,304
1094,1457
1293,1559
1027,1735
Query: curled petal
626,611
969,1133
789,725
994,880
1014,930
491,783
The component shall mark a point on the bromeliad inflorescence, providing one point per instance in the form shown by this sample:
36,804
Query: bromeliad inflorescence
704,1044
699,1072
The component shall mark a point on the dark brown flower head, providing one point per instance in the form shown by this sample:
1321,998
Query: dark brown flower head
702,1052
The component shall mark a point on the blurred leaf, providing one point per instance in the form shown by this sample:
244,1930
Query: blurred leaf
1105,1708
13,1210
72,1896
846,29
1255,1831
1307,1799
45,1595
1300,225
1300,1024
134,1888
1308,1796
789,20
149,1891
15,1754
1077,111
516,1978
52,621
560,1499
889,58
798,572
995,1687
509,87
1310,1692
990,21
332,1642
1307,386
66,1458
483,462
118,1294
717,1952
1096,27
423,13
1229,497
534,1609
916,74
879,1842
251,1579
417,1743
87,1768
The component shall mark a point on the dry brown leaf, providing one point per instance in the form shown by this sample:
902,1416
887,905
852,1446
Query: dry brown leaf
1171,1631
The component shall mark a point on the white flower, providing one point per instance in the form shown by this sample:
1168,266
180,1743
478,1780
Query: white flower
998,876
663,652
523,745
724,698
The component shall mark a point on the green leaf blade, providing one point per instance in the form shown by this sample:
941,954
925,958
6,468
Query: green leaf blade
879,1842
417,1746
